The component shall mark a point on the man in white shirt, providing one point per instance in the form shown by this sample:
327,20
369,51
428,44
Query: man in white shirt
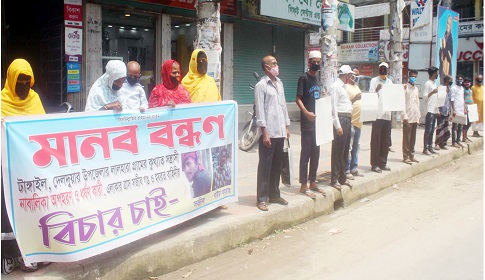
133,94
410,119
458,108
430,93
381,127
342,120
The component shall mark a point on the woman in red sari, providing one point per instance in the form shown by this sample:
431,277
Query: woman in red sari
170,91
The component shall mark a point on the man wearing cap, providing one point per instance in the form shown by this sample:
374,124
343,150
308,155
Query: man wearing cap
196,174
307,92
342,119
381,127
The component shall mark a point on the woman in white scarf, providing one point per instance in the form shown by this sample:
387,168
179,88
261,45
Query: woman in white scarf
104,94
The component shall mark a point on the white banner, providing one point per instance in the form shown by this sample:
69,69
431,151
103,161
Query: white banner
324,120
472,112
393,97
369,106
441,97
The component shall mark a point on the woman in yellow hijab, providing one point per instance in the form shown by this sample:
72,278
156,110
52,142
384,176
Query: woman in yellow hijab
202,87
18,97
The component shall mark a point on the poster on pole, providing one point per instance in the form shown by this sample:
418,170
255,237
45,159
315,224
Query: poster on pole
472,112
74,44
393,98
447,43
324,120
83,184
346,17
369,107
441,97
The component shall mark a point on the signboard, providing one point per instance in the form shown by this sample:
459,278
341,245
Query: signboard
346,17
73,13
385,54
74,43
470,49
447,42
73,77
295,10
228,7
421,21
359,52
88,183
365,70
471,28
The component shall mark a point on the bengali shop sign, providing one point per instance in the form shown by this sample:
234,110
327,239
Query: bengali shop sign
82,185
227,7
359,52
293,10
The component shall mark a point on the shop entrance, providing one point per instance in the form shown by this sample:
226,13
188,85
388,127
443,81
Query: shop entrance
183,36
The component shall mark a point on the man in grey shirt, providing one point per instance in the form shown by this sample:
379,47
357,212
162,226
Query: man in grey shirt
272,118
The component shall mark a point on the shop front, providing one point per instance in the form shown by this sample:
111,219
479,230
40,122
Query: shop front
470,56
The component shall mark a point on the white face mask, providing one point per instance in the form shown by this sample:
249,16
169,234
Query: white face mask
275,71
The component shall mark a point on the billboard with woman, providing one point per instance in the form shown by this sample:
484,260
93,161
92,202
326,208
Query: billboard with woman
447,42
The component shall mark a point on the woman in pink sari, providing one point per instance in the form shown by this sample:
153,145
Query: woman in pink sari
170,91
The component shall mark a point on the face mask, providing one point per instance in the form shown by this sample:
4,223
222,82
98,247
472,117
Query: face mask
460,83
275,71
115,87
412,80
479,81
356,79
22,90
382,71
174,81
451,83
467,84
132,81
315,67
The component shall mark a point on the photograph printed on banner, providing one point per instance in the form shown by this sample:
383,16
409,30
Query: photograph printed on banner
197,168
222,165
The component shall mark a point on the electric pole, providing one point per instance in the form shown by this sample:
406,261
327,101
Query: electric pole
208,35
396,7
328,41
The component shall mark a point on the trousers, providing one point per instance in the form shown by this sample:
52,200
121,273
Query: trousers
269,169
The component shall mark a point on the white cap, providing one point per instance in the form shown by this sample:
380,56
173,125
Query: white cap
384,64
345,69
314,54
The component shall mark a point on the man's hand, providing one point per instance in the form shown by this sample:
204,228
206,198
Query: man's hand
142,109
340,132
466,110
171,103
114,106
357,97
434,91
379,86
288,132
405,86
266,140
405,121
438,115
310,116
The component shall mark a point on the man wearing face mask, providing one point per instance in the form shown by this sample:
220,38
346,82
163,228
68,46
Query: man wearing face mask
342,119
381,127
201,86
308,92
458,106
477,92
410,118
274,122
355,96
430,93
104,94
133,92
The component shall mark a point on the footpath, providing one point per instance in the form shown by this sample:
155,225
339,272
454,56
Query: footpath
221,230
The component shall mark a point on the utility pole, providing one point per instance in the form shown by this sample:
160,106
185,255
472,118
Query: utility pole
328,41
208,35
396,7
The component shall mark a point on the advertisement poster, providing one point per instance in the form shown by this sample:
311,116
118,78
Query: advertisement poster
447,43
294,10
73,77
88,183
346,17
359,52
73,13
421,21
74,43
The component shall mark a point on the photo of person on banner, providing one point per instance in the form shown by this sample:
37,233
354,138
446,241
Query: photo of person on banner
195,170
221,158
447,43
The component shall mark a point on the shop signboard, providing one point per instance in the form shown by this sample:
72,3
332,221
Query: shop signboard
421,21
294,10
228,7
470,49
447,42
471,28
359,52
73,48
73,13
73,77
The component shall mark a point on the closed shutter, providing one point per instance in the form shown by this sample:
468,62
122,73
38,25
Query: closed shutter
290,51
252,42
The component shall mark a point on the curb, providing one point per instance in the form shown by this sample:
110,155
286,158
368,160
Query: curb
217,231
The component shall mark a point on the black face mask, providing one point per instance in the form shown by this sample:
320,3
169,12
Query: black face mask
315,67
22,90
382,71
115,87
479,81
174,81
132,81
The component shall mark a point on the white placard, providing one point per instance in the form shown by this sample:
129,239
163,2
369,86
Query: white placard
369,107
472,113
393,97
324,120
459,119
440,101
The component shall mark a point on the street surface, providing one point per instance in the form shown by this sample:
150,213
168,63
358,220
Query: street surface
427,227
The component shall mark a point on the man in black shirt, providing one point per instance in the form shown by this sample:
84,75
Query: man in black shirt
308,91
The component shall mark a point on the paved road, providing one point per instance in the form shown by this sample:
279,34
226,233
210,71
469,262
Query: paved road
428,227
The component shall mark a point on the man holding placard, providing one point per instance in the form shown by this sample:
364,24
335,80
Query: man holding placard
431,94
410,119
443,124
381,127
459,111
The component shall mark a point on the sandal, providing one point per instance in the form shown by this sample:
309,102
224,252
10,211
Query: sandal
347,183
308,193
262,206
317,189
337,186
